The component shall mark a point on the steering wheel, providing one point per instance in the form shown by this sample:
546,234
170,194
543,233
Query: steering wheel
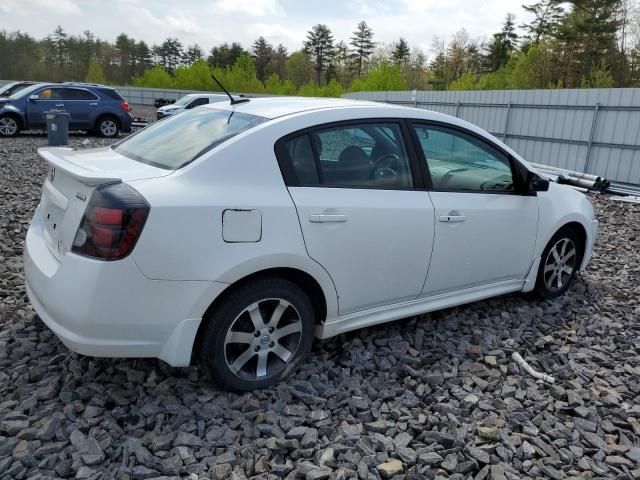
385,167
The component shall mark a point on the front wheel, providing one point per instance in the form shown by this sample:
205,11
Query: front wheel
9,126
108,127
559,263
257,335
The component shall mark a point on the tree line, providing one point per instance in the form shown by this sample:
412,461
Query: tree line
566,44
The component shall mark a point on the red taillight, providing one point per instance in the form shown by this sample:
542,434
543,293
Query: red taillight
112,223
125,106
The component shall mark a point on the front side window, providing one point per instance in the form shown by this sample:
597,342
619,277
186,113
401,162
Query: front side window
182,138
369,155
49,94
458,161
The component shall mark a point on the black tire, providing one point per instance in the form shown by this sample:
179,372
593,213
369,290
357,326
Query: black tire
9,126
547,283
107,127
218,353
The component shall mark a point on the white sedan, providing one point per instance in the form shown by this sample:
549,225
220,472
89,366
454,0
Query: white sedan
232,235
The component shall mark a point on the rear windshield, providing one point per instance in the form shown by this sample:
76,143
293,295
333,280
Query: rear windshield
180,139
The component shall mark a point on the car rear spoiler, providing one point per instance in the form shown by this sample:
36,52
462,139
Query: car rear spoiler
55,156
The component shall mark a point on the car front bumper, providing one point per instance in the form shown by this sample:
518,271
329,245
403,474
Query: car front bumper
591,240
110,309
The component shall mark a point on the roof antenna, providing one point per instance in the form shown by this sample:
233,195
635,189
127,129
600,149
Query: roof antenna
233,100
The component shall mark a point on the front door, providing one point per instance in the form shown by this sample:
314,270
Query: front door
485,232
362,218
48,99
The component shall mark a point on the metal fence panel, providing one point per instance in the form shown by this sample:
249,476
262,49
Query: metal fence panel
591,130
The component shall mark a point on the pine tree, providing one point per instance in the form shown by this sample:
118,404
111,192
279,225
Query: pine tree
60,42
503,44
363,45
225,55
192,54
262,51
319,46
401,53
547,14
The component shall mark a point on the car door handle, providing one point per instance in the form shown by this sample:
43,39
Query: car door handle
327,218
452,218
93,104
59,104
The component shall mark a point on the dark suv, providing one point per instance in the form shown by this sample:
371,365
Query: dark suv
90,106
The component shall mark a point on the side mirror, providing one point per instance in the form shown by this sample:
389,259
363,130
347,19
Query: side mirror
34,97
538,184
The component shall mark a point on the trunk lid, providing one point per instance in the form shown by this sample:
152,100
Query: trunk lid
70,182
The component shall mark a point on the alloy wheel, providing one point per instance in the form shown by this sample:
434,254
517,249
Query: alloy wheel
262,339
108,128
8,126
559,264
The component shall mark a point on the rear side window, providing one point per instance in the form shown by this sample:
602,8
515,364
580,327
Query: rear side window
369,155
77,94
180,139
111,94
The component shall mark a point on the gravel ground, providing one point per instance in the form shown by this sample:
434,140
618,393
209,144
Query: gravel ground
429,397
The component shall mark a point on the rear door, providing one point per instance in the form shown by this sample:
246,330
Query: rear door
485,231
79,103
363,210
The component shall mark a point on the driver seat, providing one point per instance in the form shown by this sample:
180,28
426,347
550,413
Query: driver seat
353,166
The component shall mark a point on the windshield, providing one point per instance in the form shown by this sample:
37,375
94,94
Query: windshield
182,102
25,91
6,88
180,139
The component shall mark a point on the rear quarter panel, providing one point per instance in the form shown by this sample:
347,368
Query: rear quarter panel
183,236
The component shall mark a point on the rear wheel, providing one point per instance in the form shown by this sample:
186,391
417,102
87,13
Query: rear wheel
9,126
559,264
257,335
107,127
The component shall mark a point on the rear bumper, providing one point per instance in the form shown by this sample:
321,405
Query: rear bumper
126,123
110,309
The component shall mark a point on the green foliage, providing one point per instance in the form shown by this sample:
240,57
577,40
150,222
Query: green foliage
195,77
95,73
598,77
576,43
156,77
467,81
384,76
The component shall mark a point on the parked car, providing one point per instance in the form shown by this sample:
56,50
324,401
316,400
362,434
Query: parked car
188,102
91,107
13,87
232,234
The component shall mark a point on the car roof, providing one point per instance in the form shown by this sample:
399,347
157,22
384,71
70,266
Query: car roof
278,107
208,95
274,107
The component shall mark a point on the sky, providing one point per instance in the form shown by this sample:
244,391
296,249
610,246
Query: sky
211,22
